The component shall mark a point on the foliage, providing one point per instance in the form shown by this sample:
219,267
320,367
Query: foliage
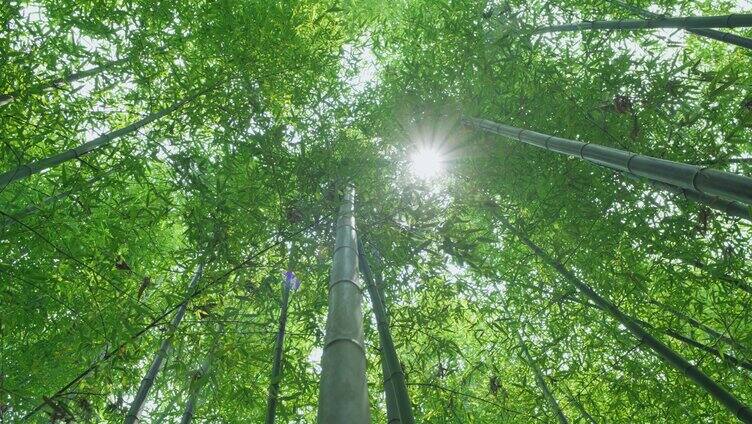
303,97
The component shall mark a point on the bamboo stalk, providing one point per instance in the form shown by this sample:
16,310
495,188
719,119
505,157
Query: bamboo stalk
725,357
148,381
712,333
23,213
728,400
395,376
540,380
708,33
343,391
35,167
728,207
271,401
390,395
723,21
706,181
200,378
6,98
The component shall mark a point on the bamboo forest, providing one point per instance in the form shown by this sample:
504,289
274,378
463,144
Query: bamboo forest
387,211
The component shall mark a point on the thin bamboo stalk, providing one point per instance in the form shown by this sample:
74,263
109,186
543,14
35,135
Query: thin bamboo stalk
389,353
728,400
712,333
148,380
577,404
708,33
271,401
35,167
6,98
540,380
390,395
23,213
724,21
343,391
725,357
199,380
707,181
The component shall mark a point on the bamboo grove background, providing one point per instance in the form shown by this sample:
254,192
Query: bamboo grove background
258,113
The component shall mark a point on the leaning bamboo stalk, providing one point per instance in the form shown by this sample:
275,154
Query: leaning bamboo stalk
540,380
6,98
704,32
390,395
723,21
290,283
195,390
389,353
707,181
729,207
712,333
577,404
35,167
148,380
200,377
343,391
23,213
728,400
724,357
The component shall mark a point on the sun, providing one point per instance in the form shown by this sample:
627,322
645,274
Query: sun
427,162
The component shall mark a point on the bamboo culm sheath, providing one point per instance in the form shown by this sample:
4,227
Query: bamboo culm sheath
156,365
728,400
724,21
706,181
343,390
389,353
540,380
725,37
35,167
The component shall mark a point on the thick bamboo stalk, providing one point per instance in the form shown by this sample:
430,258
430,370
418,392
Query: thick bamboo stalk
707,181
540,380
343,391
708,33
724,21
35,167
728,400
389,353
156,365
271,401
728,207
6,98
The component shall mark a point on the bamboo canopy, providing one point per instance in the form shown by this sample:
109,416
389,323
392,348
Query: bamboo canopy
724,21
692,177
343,392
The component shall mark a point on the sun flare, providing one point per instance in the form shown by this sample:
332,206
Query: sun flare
427,162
